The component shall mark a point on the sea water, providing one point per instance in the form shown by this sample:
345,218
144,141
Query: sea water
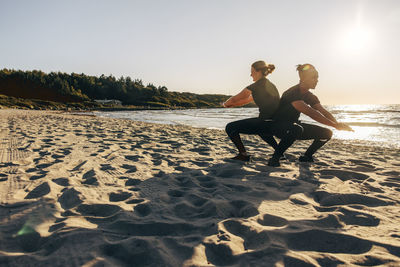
375,125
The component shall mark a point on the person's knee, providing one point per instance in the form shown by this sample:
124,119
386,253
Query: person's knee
295,131
328,134
229,129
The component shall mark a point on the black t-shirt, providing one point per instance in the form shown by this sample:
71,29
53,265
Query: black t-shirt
266,97
286,111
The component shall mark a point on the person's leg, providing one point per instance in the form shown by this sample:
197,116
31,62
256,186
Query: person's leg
288,132
269,139
246,126
320,135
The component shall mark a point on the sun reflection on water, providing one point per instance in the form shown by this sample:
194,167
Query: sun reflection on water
360,133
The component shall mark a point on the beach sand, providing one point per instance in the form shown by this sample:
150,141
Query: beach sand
78,190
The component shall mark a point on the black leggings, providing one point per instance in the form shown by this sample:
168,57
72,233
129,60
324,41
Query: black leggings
250,126
301,131
288,132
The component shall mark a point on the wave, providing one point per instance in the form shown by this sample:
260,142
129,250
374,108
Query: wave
373,124
364,112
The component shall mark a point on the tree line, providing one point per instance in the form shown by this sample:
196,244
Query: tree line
74,87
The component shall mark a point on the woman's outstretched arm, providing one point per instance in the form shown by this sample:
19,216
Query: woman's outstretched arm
242,98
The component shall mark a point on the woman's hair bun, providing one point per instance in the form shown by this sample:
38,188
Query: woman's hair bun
263,67
270,68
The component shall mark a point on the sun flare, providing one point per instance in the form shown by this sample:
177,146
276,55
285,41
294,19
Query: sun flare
356,40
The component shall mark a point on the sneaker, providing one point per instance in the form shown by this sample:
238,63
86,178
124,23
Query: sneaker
274,162
305,158
241,157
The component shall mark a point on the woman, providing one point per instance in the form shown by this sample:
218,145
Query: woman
266,97
298,99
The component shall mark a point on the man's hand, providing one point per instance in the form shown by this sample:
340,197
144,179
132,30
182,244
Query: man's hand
343,127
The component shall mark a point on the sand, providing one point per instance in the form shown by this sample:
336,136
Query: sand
78,190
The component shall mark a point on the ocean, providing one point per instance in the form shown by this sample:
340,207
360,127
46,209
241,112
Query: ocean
374,125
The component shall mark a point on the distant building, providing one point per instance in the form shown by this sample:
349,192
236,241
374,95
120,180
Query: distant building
111,102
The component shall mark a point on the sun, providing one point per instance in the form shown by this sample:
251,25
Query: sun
356,40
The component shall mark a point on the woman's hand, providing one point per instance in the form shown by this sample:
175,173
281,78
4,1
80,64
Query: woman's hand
225,105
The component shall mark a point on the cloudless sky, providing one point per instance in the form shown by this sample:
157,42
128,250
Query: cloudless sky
207,46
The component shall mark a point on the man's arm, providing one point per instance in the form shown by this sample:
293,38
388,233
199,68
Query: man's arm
327,114
324,112
302,107
242,98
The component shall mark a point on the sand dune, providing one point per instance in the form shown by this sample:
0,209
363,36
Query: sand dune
86,191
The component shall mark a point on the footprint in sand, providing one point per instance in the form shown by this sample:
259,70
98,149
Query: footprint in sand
43,153
328,199
57,226
242,209
207,181
202,150
44,166
175,193
61,181
132,182
184,210
133,252
133,157
98,210
90,178
352,217
392,183
271,220
69,198
238,188
129,168
142,209
344,175
252,238
184,182
196,200
107,167
327,242
91,181
58,156
3,177
220,254
39,191
201,163
135,201
119,196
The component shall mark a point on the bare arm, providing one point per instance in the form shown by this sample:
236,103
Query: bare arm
315,114
324,112
242,98
302,107
327,114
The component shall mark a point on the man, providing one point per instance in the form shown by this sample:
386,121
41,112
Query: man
298,99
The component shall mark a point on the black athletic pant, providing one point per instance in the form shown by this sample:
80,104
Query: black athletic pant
288,132
250,126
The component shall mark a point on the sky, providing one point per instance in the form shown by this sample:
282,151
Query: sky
208,46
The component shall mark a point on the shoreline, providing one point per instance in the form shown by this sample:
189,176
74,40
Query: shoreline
100,191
